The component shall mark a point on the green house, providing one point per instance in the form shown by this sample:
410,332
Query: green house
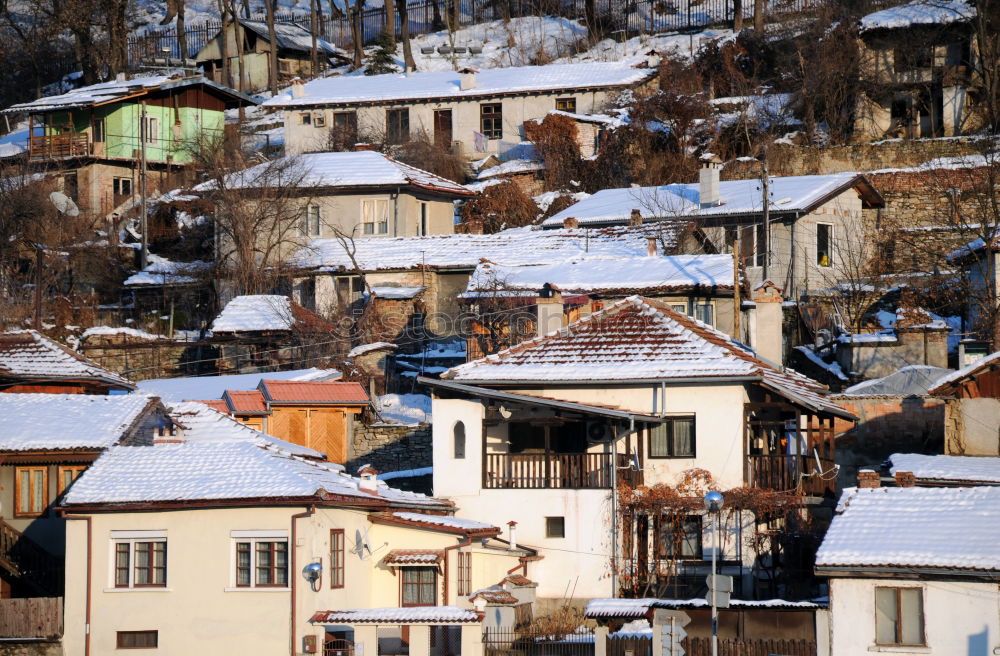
97,136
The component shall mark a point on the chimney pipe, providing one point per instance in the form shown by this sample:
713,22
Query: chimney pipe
708,182
868,478
571,222
635,218
512,534
369,478
651,246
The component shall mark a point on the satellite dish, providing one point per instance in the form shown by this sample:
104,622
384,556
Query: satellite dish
64,204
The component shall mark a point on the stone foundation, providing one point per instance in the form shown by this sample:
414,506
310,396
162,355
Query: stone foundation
31,649
390,447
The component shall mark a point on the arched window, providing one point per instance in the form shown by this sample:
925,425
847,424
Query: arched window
459,440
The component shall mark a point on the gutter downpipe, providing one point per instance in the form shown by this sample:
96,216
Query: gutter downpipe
293,575
395,213
614,506
86,638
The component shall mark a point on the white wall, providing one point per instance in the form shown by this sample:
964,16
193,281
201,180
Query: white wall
960,618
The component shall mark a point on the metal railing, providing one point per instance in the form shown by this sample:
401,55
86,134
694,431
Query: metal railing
504,641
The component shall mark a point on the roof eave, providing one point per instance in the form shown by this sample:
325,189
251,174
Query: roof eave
879,571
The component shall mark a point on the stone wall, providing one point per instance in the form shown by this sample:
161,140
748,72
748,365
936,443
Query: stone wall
139,359
31,649
390,447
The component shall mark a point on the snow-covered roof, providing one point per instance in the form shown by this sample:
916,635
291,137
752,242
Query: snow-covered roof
790,194
291,37
392,615
214,471
510,167
494,595
200,423
346,90
444,521
212,387
374,346
48,422
392,293
968,470
919,12
111,330
518,246
638,338
413,557
339,170
30,355
911,380
258,312
942,385
621,608
952,528
587,274
108,92
161,271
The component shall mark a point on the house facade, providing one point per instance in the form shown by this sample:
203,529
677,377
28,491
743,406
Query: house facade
815,235
635,394
278,553
32,362
972,408
474,113
97,136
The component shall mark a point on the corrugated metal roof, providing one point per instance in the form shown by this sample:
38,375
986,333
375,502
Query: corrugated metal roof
282,391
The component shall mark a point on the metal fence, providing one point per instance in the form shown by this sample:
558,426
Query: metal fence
617,17
504,641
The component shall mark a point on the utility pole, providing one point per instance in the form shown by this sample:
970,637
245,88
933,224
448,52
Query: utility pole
765,184
38,286
737,306
143,129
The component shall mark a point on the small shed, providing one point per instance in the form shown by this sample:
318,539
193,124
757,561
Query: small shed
972,409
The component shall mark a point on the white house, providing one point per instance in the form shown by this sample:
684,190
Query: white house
914,570
543,432
230,546
815,232
474,112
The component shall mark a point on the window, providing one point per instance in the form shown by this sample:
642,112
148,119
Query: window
464,573
824,244
122,186
152,135
566,105
899,616
397,125
319,120
99,130
345,130
672,439
336,558
491,120
261,563
309,224
458,439
137,640
705,313
680,538
32,490
424,219
68,474
419,586
375,216
140,562
305,118
555,527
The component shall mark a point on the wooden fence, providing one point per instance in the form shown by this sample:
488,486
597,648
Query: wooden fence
34,617
739,647
616,17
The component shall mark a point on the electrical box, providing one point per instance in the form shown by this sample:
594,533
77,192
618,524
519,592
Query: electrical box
309,644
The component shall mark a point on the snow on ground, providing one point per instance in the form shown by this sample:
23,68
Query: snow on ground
15,142
919,12
211,387
405,408
636,49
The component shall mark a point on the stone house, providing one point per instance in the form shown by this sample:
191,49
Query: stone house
32,362
474,113
972,408
94,137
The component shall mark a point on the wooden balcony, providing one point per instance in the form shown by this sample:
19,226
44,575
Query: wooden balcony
784,473
57,146
574,471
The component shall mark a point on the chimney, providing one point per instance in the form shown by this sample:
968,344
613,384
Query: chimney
635,218
120,77
765,322
298,88
512,534
868,478
369,478
467,79
708,181
571,222
549,306
474,228
906,479
651,246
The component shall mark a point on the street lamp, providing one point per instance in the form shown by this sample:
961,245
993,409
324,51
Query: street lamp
713,504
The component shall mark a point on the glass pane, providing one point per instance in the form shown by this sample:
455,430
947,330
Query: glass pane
38,491
703,312
912,616
410,594
121,564
24,491
683,437
885,616
658,442
281,563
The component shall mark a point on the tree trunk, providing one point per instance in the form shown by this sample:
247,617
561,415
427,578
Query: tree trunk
356,35
225,18
436,22
272,54
590,14
313,27
390,20
456,16
737,15
404,26
182,40
758,16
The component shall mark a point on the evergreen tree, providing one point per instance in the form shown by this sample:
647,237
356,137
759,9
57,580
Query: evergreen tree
383,59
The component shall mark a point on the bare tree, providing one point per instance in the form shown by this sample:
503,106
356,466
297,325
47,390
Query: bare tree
271,6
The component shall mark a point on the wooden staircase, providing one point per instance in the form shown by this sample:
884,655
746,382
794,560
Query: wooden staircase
29,564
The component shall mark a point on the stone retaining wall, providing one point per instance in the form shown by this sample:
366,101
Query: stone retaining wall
390,447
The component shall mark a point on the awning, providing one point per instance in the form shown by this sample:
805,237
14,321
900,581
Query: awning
411,615
413,558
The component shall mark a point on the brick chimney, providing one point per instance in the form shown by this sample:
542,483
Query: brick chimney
651,246
467,79
868,478
905,479
635,218
571,222
549,307
298,88
708,181
369,478
474,228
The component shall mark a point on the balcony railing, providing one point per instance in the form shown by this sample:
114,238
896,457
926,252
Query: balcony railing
785,471
579,471
52,146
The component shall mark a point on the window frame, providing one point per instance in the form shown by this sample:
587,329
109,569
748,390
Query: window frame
375,224
670,438
829,245
464,573
118,186
319,119
421,585
305,118
897,596
152,136
337,558
568,104
551,522
131,565
18,493
253,563
153,632
61,485
674,548
491,114
397,125
309,212
458,438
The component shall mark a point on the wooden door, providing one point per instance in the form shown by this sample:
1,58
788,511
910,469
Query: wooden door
328,433
442,127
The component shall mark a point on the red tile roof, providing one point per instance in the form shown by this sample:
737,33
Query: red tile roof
249,402
28,355
283,391
413,557
518,580
494,596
